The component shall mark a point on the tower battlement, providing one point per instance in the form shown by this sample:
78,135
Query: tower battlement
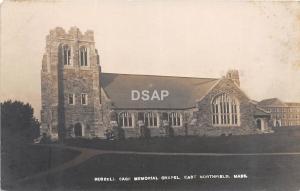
74,33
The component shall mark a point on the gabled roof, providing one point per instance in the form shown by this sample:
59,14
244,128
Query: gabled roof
259,112
272,102
183,91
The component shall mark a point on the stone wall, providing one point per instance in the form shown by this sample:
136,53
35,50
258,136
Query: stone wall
59,81
204,114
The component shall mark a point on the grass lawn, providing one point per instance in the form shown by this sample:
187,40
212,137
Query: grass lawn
25,160
263,172
277,142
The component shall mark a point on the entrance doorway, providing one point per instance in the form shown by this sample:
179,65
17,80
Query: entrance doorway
78,130
258,124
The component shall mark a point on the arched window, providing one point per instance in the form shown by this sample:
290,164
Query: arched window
83,56
126,120
151,119
175,119
225,111
66,55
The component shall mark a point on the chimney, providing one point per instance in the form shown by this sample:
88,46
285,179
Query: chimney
234,76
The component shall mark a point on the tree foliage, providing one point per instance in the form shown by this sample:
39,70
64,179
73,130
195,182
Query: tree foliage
18,125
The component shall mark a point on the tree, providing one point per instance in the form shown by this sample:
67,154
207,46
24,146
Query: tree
18,125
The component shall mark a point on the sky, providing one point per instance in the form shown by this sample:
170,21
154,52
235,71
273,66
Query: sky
177,38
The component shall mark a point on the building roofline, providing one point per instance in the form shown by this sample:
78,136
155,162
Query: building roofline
210,89
155,75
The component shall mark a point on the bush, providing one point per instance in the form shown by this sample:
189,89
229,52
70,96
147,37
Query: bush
118,133
45,139
170,131
145,132
109,134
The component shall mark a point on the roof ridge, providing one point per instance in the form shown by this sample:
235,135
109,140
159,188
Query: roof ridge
268,99
161,76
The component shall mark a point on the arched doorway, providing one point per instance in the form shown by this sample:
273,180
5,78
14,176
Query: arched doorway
78,130
258,124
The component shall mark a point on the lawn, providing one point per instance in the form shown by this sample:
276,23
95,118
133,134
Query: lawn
277,142
263,172
24,160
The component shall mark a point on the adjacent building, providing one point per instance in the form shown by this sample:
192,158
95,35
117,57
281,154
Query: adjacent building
79,100
283,114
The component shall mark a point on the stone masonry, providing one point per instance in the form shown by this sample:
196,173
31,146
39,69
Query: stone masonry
57,80
76,103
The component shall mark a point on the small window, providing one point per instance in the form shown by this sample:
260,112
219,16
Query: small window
71,99
83,56
175,119
126,120
84,99
151,119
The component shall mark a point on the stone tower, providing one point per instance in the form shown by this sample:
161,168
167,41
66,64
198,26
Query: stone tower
70,82
234,76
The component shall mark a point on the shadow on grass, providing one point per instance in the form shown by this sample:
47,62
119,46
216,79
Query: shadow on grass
19,161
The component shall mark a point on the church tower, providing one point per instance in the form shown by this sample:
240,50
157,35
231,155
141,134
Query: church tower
70,82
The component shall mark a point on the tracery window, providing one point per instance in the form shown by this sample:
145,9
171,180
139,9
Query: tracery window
66,55
225,111
151,119
175,119
126,119
83,56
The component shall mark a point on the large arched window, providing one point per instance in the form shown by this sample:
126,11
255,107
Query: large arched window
66,55
83,56
126,119
225,111
151,119
175,119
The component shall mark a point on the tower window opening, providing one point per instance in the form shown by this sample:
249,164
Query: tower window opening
84,99
66,55
83,56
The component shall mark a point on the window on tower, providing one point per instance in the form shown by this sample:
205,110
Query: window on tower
83,56
71,99
84,99
66,55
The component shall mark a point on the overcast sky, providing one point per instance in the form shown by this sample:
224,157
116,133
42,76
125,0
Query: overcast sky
178,38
